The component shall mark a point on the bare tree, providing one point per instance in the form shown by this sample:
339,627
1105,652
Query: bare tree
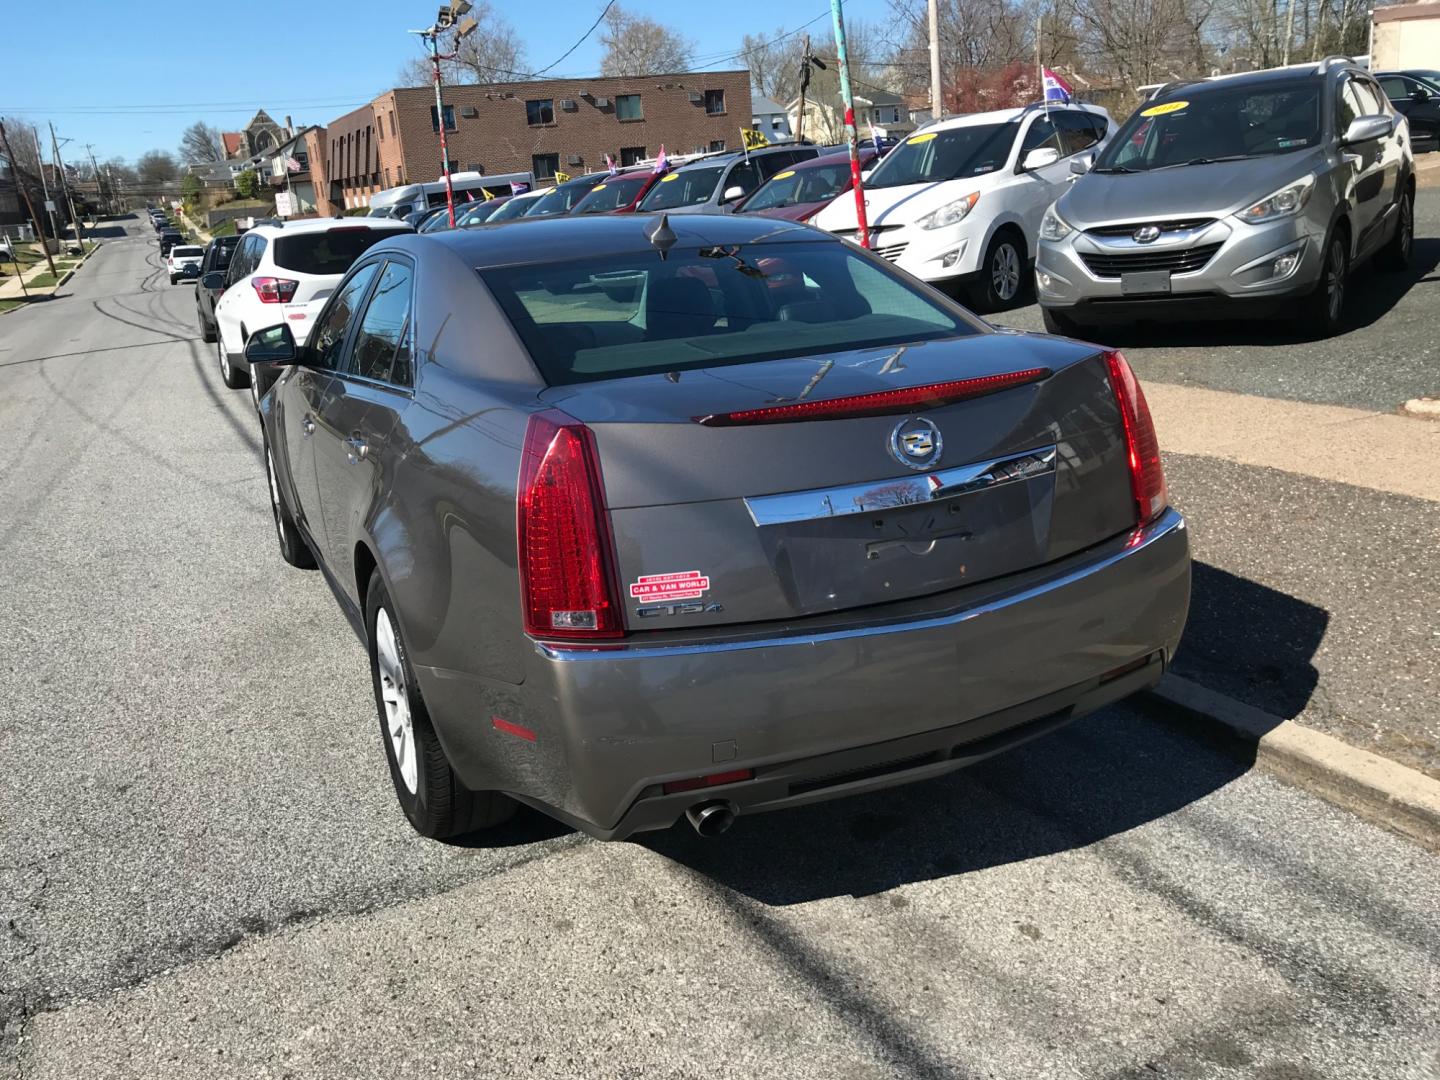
22,141
637,45
774,63
156,167
201,142
1144,41
491,53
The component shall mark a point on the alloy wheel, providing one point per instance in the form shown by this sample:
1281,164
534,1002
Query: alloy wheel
1335,280
394,700
1005,272
275,496
1407,227
220,351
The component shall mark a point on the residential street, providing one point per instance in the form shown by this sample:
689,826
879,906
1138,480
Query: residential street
203,871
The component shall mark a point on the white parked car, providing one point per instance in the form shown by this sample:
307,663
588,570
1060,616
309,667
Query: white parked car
960,202
184,261
278,273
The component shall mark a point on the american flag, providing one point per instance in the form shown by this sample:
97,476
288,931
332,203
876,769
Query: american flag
292,164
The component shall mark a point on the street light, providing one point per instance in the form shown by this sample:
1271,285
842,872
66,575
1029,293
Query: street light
444,21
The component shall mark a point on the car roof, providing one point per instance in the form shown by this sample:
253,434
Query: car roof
1001,116
1263,77
725,157
315,225
832,159
559,239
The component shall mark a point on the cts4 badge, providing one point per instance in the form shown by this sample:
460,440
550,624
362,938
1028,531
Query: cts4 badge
916,443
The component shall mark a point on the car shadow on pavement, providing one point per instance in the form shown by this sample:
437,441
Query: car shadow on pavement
1251,642
1373,294
1101,776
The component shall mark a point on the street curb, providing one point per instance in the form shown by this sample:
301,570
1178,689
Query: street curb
1376,789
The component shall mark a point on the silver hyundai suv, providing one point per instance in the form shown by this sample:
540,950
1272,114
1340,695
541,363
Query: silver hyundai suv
1254,194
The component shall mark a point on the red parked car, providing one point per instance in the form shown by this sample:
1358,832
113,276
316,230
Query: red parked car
806,188
618,195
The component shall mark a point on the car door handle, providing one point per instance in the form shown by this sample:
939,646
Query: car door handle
356,449
307,424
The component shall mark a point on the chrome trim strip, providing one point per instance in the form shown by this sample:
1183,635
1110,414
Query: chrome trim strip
818,503
1167,524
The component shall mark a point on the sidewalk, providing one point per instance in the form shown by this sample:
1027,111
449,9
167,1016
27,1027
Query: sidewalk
1316,536
11,292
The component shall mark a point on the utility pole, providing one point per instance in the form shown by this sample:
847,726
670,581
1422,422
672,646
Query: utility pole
65,185
95,173
448,14
937,98
45,188
25,193
804,85
851,135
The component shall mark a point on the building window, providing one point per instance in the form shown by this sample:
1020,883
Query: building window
632,155
627,107
380,127
544,166
449,118
540,112
717,144
392,123
714,102
387,176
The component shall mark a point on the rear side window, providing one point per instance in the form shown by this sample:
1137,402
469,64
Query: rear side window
384,329
329,252
637,313
1076,130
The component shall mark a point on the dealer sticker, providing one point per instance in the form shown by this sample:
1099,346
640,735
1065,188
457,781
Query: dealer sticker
682,585
1165,109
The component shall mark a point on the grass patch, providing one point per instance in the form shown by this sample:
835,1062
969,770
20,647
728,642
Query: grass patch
42,281
225,228
10,305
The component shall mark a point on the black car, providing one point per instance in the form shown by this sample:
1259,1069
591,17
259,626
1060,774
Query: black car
561,199
1416,96
168,239
161,223
217,257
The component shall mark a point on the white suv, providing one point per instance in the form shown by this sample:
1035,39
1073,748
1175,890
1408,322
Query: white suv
281,273
961,201
184,261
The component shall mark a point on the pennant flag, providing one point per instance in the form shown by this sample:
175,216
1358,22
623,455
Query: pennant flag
874,135
561,177
487,193
519,187
1056,88
610,166
753,140
661,163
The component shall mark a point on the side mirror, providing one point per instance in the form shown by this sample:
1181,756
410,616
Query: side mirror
1420,94
1082,164
1367,129
273,345
1039,158
733,192
214,281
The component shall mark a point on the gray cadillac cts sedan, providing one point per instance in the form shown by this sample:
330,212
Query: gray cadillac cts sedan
729,517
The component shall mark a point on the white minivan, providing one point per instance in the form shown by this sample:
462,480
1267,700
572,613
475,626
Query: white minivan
960,202
281,273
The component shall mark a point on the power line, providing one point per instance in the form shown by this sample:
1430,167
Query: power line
603,13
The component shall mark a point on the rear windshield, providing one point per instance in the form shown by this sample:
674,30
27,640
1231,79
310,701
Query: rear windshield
688,188
329,252
948,154
182,252
638,314
612,194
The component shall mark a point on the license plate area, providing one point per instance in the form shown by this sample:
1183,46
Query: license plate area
1145,282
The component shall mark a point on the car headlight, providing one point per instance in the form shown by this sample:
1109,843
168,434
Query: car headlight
1053,226
949,214
1286,202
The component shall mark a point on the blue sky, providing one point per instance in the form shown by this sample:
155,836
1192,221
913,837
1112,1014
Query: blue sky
131,76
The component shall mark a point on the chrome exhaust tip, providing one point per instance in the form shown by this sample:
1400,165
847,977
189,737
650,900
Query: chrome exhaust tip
711,818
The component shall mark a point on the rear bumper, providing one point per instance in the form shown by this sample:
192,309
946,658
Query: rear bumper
824,712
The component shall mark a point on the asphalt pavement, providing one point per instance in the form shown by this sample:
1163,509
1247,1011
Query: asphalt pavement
203,871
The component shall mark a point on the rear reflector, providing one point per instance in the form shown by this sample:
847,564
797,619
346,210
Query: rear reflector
1147,478
878,403
566,585
694,783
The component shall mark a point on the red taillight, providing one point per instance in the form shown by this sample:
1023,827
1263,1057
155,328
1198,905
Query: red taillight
878,403
1147,477
566,588
274,290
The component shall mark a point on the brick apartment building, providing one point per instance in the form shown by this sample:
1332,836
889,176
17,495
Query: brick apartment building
545,126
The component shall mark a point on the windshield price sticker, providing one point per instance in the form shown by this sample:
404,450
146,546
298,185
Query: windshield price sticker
1168,107
784,175
923,137
683,585
667,179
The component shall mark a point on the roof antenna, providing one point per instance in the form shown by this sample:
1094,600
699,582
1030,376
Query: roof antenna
662,237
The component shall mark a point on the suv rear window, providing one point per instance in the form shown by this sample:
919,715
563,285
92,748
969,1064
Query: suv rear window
329,252
642,313
186,252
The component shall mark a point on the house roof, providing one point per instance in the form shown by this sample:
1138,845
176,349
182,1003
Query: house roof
760,106
232,141
881,97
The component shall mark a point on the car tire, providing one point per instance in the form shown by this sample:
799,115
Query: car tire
1395,256
207,332
1002,274
293,548
1064,325
234,378
1322,313
436,803
173,279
